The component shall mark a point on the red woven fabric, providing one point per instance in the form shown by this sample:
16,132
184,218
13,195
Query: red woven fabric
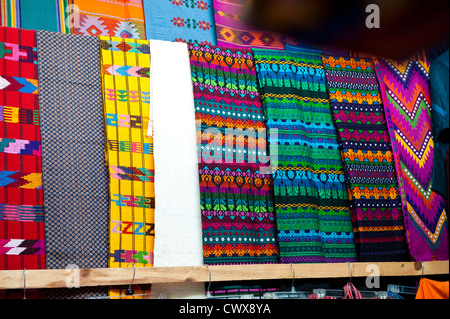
21,195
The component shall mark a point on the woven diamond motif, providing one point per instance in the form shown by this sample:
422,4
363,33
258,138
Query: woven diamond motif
123,46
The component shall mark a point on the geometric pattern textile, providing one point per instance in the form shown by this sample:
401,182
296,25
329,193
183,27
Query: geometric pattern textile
188,21
131,187
123,19
358,114
236,195
232,31
47,15
22,242
406,96
311,199
74,175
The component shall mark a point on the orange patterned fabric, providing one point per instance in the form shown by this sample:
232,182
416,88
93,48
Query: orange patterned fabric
121,18
431,289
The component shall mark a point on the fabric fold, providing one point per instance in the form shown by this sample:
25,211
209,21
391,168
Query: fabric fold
22,223
236,194
75,179
405,91
311,199
358,115
125,74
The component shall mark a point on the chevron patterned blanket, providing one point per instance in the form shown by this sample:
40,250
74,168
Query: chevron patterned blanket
406,96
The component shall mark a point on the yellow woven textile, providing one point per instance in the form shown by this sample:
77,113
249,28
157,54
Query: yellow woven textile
125,65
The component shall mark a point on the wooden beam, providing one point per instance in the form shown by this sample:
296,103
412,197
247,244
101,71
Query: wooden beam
58,278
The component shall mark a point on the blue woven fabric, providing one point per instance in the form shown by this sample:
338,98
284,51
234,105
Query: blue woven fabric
180,20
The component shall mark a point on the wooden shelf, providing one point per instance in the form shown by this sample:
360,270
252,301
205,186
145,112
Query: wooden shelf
56,278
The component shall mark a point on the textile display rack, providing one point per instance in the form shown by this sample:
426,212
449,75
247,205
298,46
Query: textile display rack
56,278
167,146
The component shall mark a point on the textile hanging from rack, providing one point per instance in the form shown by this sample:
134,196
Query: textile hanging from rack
22,238
74,173
47,15
311,200
124,19
236,195
22,232
406,95
375,204
125,67
178,224
233,32
432,289
189,21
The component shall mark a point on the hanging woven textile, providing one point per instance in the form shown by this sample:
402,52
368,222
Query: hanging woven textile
311,200
124,19
236,196
189,21
73,165
358,115
22,238
232,31
406,95
125,67
50,15
178,225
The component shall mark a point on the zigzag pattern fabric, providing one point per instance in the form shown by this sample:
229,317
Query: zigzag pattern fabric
358,114
22,238
129,155
311,200
236,196
406,96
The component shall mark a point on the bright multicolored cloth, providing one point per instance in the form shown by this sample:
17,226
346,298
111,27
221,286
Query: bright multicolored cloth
125,67
406,96
124,18
358,114
50,15
311,200
22,238
238,217
233,32
188,21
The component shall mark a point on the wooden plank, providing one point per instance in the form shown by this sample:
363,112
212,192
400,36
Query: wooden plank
61,278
